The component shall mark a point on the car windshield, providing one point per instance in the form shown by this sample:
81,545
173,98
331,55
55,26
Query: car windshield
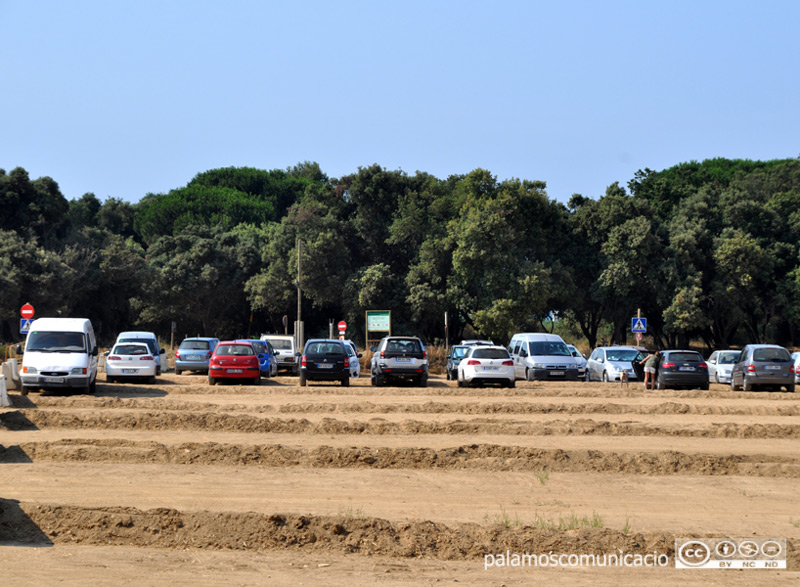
553,348
194,345
480,353
260,347
237,350
622,355
459,352
771,355
56,342
684,357
727,358
281,344
130,349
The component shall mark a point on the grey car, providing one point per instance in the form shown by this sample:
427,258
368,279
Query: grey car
399,358
606,363
720,364
762,366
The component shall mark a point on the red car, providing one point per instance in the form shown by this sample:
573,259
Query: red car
234,360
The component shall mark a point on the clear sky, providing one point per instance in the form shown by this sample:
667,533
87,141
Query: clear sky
122,99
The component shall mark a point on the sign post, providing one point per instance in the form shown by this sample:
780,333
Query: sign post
342,326
378,321
26,311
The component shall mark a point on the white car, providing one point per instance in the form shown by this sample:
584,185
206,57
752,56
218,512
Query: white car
796,359
354,356
151,340
607,363
720,364
486,364
131,359
581,360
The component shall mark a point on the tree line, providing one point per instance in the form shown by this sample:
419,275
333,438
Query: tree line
709,251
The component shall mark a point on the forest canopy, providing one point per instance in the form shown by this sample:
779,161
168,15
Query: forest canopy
708,251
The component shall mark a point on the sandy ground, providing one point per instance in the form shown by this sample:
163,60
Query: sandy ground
183,483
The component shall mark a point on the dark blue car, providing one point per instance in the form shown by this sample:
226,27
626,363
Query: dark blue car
266,356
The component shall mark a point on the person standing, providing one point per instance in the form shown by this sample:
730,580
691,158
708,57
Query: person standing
650,362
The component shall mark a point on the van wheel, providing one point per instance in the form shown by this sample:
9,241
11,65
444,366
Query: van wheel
528,375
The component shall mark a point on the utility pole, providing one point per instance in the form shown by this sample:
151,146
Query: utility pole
298,330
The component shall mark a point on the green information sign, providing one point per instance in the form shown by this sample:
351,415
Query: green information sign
379,321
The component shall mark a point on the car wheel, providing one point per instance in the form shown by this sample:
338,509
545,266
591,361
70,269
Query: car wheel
346,380
92,386
151,380
733,385
705,386
660,383
211,380
605,377
746,385
512,383
302,379
178,371
588,376
716,377
110,379
257,379
790,388
422,381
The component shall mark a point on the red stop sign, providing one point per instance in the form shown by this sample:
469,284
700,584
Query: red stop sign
26,311
342,326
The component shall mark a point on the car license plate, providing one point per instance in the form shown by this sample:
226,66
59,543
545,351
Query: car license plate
233,370
54,380
193,357
685,368
553,373
402,360
130,371
324,365
490,368
772,367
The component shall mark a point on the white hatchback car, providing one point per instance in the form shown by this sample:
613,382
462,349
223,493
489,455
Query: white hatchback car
131,359
354,356
486,364
720,364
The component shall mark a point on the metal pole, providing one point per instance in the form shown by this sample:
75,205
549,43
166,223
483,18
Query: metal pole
298,333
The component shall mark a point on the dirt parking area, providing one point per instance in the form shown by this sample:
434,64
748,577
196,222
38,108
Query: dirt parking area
183,483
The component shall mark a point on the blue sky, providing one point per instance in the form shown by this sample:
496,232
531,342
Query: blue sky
124,99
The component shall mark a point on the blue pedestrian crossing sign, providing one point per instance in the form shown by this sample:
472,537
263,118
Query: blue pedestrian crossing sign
638,324
25,325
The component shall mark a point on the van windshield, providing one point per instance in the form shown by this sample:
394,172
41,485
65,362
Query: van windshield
549,348
56,342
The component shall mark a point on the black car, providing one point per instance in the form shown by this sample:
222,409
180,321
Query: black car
681,369
324,360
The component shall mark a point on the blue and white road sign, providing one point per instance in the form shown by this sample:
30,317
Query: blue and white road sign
25,325
638,324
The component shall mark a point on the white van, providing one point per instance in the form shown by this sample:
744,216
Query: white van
59,353
537,355
151,340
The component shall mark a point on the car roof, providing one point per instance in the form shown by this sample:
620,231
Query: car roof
235,342
144,344
137,334
199,338
619,347
482,347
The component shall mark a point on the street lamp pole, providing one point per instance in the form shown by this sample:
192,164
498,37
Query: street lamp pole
298,330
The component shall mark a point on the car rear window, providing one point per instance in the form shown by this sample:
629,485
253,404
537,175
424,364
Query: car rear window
774,355
684,357
281,344
728,358
490,354
238,350
403,346
130,349
459,352
325,348
195,345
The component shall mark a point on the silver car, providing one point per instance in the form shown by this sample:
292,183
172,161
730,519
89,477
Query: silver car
720,364
763,365
796,359
608,363
581,360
